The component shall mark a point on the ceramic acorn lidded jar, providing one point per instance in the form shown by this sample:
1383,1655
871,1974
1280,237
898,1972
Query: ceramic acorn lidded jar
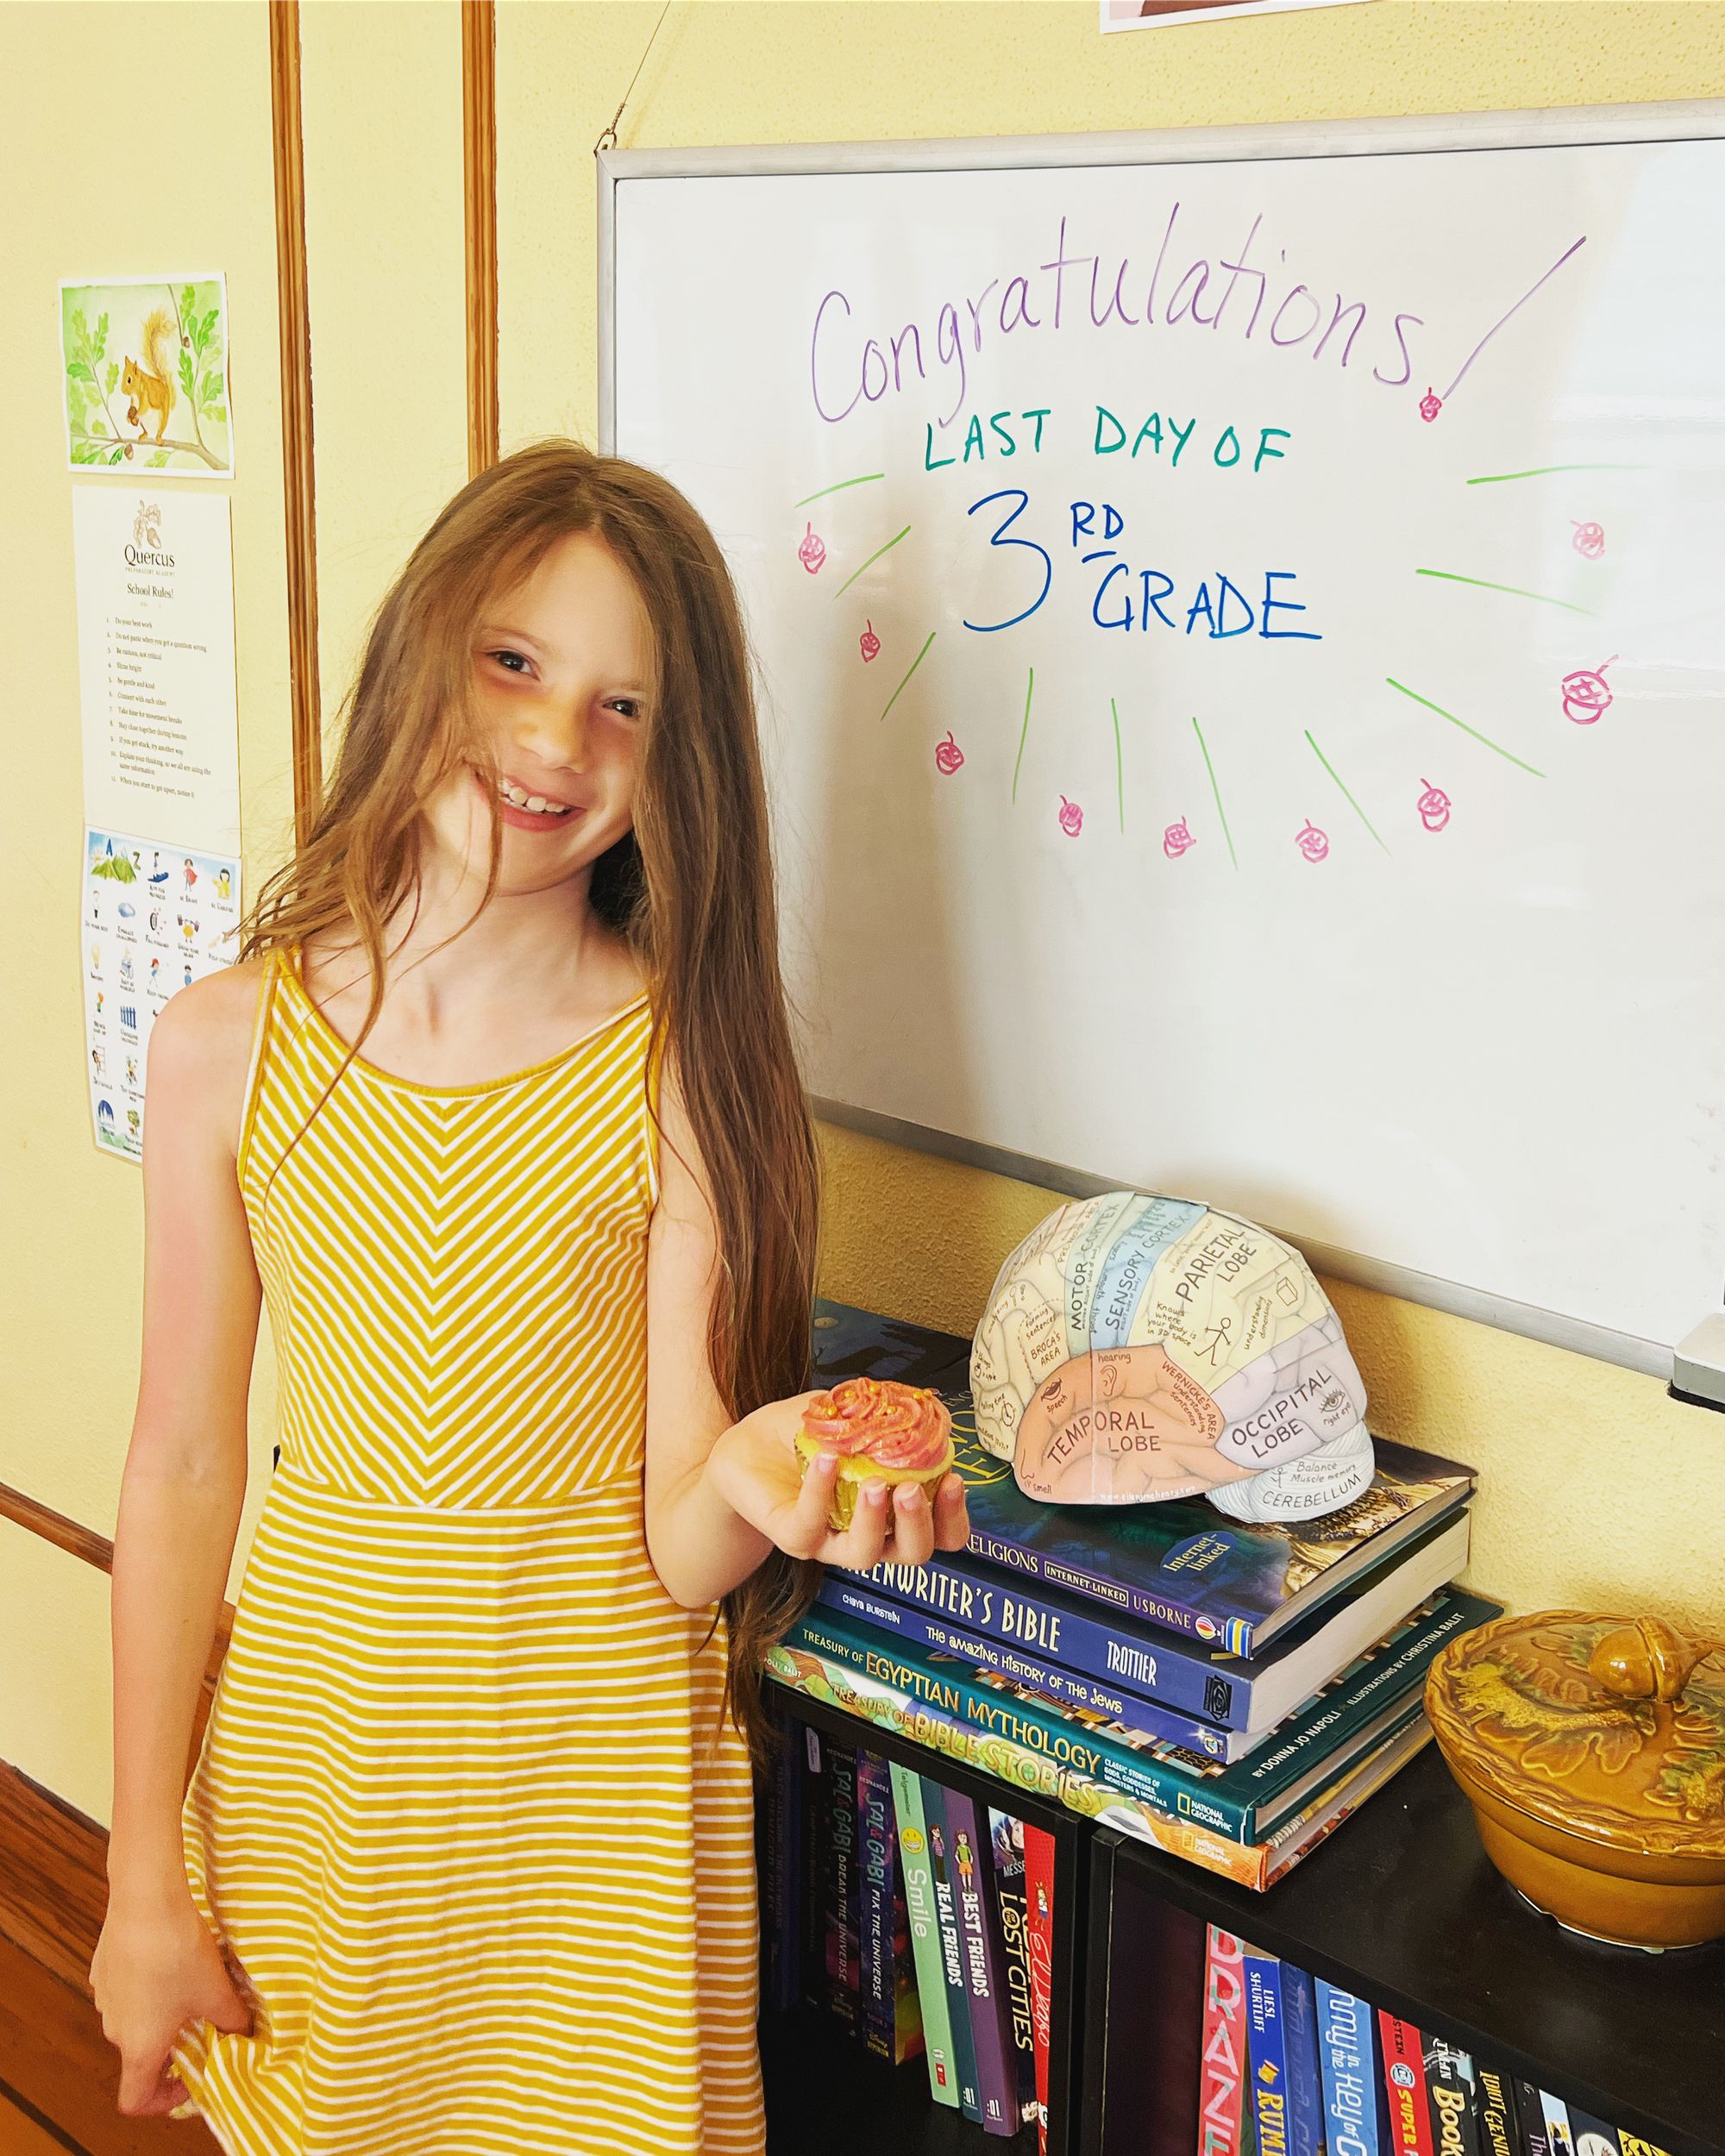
1592,1750
1137,1348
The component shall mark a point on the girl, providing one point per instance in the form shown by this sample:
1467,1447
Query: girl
465,1865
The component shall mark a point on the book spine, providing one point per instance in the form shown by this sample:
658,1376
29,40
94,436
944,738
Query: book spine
1039,1931
1450,2093
1220,2073
877,1965
1161,1668
1008,1852
812,1886
924,1930
852,1596
1558,2133
934,1796
1162,1610
1404,2086
1500,2132
1068,1742
792,1782
844,1996
1266,2051
968,1855
1530,2111
1305,2083
907,2040
1592,2136
1347,2061
930,1722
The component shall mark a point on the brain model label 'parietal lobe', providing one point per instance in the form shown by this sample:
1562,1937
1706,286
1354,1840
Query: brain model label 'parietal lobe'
1141,1348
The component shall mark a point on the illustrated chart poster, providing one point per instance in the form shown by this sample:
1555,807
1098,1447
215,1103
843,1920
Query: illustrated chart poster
155,644
1242,672
156,917
146,372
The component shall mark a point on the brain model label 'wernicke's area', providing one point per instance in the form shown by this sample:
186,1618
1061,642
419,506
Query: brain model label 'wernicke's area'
1141,1348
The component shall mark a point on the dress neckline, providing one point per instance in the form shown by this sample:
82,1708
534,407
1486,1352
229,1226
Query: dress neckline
293,966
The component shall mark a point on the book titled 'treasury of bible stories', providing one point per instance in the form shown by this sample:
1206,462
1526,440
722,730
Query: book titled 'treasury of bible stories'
1181,1566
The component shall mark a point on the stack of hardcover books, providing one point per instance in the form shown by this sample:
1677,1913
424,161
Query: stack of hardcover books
1293,2065
918,1919
1230,1693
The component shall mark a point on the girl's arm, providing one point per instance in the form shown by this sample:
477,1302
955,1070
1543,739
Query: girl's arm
157,1962
721,1494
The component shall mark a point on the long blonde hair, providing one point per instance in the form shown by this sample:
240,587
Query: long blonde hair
691,888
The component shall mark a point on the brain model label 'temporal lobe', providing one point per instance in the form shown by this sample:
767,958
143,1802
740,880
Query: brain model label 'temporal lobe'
1140,1348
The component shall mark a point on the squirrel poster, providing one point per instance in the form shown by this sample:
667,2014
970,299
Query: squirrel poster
146,364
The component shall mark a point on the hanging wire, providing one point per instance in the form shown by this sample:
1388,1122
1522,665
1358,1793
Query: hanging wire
608,138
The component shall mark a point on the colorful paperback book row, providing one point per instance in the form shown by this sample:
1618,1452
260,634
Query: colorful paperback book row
1229,1692
1293,2066
918,1919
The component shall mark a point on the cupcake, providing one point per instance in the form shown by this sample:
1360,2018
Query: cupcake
899,1433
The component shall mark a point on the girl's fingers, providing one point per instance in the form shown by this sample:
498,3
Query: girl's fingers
913,1525
806,1527
866,1537
951,1515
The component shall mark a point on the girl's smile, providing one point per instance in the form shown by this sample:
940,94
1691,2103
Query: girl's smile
531,809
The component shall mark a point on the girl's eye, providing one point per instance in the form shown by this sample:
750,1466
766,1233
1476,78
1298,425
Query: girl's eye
634,710
503,658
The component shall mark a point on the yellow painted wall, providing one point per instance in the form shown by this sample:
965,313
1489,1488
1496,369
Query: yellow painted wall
113,169
118,181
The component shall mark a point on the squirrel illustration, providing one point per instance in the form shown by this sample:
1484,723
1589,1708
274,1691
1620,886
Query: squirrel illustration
151,388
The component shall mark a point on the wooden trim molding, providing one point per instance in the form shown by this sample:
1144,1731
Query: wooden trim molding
298,474
55,1527
479,166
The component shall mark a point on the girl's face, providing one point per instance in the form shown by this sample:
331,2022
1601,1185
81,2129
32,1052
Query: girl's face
560,665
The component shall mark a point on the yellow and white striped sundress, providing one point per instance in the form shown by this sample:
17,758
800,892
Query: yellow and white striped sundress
466,1810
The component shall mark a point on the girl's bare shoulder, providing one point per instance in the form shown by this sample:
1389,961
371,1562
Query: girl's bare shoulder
201,1047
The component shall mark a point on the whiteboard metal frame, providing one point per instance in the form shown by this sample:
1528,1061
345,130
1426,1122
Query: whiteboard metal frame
1698,119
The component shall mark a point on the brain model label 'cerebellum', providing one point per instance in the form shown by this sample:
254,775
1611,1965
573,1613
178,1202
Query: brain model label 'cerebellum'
1138,1348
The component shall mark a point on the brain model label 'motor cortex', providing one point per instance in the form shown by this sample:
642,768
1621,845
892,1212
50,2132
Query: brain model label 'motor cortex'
1139,1348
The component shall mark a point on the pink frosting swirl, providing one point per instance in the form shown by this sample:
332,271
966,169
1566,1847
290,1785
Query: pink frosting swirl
895,1426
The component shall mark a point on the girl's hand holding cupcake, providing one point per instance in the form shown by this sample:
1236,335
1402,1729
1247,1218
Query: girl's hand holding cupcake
852,1476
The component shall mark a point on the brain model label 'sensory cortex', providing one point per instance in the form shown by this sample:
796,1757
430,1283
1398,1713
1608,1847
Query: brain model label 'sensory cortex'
1140,1348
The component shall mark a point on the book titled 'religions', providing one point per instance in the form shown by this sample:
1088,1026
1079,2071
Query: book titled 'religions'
1180,1566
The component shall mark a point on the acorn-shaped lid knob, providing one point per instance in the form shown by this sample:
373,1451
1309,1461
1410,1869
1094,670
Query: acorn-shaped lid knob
1649,1659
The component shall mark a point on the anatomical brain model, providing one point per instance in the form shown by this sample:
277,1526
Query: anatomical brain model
1136,1349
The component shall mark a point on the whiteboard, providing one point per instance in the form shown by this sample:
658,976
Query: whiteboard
1239,623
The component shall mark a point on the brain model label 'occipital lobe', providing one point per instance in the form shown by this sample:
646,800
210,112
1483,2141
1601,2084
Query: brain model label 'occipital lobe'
1140,1348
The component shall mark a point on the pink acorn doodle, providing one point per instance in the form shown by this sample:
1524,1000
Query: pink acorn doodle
1071,818
812,551
1430,405
1176,840
1590,539
868,642
1433,806
1313,843
1586,697
948,757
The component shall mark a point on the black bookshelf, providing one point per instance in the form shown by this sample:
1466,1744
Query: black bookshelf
1401,1906
826,2097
